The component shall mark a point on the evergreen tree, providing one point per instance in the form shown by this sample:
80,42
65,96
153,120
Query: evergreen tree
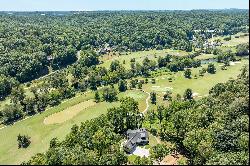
23,141
187,73
97,97
122,85
211,68
188,94
153,97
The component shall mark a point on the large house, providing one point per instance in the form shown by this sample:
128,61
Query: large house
136,137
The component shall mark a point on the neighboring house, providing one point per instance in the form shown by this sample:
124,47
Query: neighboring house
104,50
49,58
136,137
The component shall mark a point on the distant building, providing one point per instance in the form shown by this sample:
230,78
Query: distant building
136,137
49,58
104,50
209,30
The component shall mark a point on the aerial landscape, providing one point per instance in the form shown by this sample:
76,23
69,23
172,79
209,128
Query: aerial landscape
135,82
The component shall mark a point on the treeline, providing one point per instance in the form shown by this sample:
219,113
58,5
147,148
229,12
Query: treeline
213,130
83,75
31,42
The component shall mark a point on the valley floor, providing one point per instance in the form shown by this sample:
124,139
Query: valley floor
58,126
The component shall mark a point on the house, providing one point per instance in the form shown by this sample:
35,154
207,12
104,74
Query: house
104,50
136,137
49,58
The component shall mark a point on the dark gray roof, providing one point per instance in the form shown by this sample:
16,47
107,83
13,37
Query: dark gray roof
139,136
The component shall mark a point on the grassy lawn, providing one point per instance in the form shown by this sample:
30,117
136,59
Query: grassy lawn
68,113
139,56
41,134
201,85
138,96
131,158
234,41
78,109
152,140
205,56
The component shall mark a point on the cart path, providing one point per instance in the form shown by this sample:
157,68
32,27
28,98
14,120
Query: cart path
147,99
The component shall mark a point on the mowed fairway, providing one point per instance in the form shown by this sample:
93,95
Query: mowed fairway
79,108
200,86
234,41
40,133
139,56
68,113
138,95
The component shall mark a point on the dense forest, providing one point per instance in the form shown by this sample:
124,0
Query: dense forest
214,130
31,47
49,57
31,43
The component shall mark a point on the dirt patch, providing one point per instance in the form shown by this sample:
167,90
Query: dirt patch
68,113
171,159
231,63
195,94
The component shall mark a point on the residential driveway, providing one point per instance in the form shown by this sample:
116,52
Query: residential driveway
141,152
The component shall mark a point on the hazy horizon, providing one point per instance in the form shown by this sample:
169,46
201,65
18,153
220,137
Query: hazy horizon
115,10
114,5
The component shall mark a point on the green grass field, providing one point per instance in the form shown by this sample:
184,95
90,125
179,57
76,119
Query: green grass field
139,56
69,113
234,41
205,56
200,86
41,134
138,96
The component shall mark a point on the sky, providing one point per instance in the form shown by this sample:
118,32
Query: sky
90,5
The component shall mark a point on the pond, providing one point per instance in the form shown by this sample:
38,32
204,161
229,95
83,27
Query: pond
207,61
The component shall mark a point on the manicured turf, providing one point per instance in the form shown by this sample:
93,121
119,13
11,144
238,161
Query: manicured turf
138,96
152,140
68,113
41,134
139,56
201,85
205,56
234,41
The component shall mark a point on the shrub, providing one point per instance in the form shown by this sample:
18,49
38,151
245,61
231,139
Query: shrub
23,141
